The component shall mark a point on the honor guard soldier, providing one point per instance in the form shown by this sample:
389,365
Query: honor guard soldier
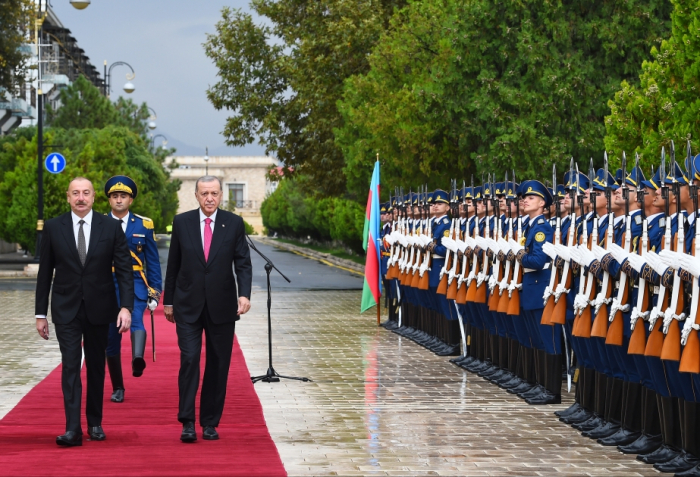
121,192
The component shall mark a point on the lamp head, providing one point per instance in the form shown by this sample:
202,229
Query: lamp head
80,4
129,87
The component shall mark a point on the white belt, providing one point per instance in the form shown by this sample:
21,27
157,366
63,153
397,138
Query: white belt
528,270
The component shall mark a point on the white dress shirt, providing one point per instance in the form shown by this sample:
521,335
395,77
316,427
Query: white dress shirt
202,217
86,228
124,220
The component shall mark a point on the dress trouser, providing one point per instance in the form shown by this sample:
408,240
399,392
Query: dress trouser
219,345
94,339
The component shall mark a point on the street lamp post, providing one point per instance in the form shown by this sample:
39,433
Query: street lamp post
128,87
153,141
206,161
152,120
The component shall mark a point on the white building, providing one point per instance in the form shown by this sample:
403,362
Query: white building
244,179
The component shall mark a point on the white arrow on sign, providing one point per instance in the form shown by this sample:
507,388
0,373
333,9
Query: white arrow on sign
55,162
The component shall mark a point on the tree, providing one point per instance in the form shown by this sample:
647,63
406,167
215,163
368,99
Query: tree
665,105
97,154
15,20
281,79
458,87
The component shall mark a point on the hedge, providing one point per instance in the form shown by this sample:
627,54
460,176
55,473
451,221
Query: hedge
292,211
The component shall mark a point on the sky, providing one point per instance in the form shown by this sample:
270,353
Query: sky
162,40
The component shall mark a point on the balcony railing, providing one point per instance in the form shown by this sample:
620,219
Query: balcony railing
19,107
241,204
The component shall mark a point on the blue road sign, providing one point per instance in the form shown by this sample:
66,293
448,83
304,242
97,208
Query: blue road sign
55,163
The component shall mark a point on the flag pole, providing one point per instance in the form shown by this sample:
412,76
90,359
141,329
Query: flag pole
379,306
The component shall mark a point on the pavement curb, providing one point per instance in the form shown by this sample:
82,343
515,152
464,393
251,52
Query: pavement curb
326,258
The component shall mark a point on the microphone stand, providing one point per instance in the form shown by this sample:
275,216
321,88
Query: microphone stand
271,376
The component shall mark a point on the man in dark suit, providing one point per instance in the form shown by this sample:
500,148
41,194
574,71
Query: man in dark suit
81,247
206,245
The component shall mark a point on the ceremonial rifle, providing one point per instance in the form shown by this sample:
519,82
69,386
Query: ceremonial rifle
497,268
471,284
584,320
690,359
548,298
671,350
423,275
503,284
655,339
442,286
451,282
516,283
600,324
559,312
638,338
461,297
482,277
619,304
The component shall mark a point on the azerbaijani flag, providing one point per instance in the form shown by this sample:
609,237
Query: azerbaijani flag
371,291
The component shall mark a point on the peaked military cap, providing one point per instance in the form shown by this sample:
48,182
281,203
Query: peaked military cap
121,184
572,179
500,188
601,182
635,177
511,189
676,176
654,182
477,193
383,207
537,188
696,165
561,190
440,196
468,193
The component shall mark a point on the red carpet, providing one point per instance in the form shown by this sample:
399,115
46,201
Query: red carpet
143,431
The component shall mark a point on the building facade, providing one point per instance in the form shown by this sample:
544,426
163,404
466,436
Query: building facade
244,179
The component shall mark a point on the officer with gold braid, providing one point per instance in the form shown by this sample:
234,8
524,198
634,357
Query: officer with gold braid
140,235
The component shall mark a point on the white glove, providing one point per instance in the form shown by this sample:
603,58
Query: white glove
617,252
461,245
670,258
449,244
550,250
599,252
636,262
655,262
503,245
403,241
515,246
493,245
690,263
152,303
423,267
389,239
587,257
480,242
424,240
563,251
471,243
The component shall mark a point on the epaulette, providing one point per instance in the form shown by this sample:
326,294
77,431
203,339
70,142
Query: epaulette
148,223
638,219
541,221
445,221
662,222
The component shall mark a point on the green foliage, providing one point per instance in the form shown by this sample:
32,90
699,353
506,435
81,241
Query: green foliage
84,107
468,87
96,154
281,79
665,105
293,212
15,20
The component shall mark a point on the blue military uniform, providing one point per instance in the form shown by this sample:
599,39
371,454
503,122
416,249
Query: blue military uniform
141,239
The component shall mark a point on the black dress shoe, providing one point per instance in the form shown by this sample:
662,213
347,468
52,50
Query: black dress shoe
188,432
645,444
450,351
531,393
544,398
568,411
118,395
589,424
70,439
606,430
580,416
96,433
694,472
209,433
662,454
681,463
514,382
620,438
521,388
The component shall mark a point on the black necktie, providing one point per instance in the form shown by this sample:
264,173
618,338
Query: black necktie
82,249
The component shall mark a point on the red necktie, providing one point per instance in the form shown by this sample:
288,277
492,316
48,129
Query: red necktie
207,238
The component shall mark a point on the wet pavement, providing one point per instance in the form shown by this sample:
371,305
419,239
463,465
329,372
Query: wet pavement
378,404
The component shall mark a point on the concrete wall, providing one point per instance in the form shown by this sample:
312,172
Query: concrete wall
247,172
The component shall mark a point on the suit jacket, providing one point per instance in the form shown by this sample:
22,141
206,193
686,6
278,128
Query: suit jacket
191,282
91,282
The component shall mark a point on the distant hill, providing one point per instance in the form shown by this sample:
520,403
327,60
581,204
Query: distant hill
184,149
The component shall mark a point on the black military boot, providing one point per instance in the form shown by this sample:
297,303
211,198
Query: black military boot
552,394
576,406
528,380
688,457
540,372
114,365
586,385
613,411
596,420
650,440
631,427
670,421
138,348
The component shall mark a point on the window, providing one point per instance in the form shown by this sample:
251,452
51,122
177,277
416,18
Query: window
236,193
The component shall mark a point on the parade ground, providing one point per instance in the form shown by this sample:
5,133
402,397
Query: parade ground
377,403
